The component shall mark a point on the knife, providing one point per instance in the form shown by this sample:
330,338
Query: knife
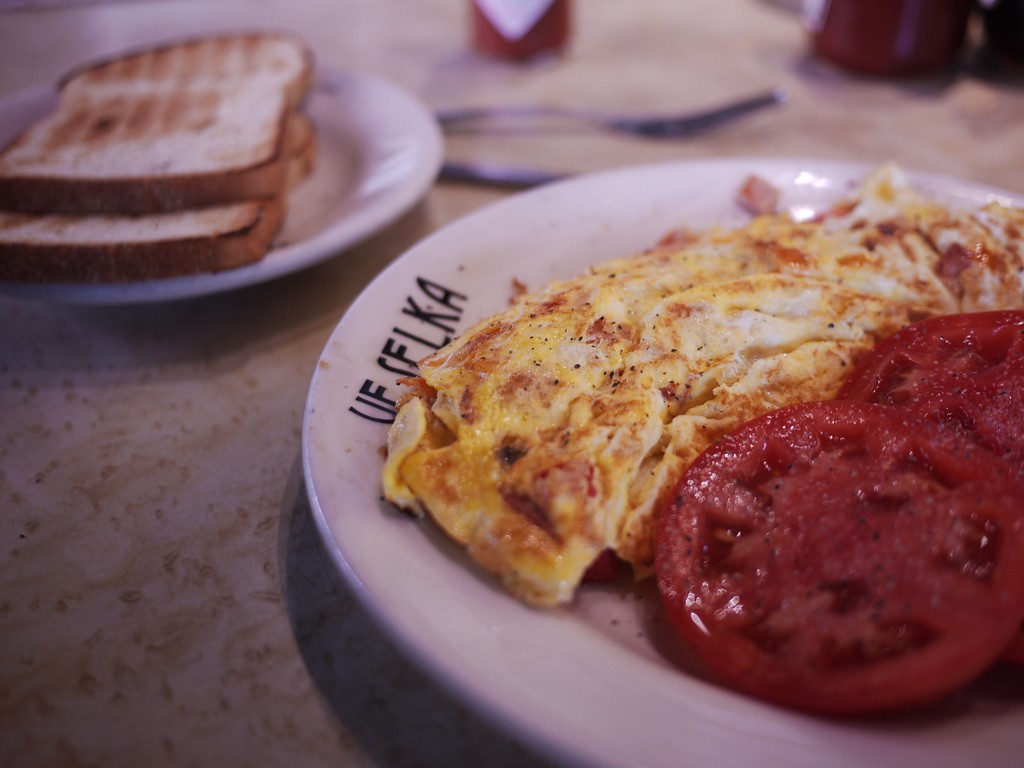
488,174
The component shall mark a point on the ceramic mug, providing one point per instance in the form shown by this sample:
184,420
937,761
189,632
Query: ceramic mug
888,37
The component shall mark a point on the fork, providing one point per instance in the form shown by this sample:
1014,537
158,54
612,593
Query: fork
648,126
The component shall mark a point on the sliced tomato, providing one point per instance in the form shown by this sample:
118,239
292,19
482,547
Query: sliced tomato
835,557
1015,650
606,566
964,374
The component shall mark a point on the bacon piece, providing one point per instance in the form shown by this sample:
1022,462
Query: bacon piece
758,197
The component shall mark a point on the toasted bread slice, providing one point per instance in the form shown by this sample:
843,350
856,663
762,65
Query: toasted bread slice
184,125
103,248
61,248
302,149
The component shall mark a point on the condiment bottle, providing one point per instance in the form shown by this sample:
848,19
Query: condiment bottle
519,29
888,37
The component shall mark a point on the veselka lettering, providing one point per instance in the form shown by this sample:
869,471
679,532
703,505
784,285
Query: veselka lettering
440,294
434,345
374,395
394,350
399,357
443,296
427,316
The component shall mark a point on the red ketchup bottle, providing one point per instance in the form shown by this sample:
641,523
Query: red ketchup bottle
519,29
888,37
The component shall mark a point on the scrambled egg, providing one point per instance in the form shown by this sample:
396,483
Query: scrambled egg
557,429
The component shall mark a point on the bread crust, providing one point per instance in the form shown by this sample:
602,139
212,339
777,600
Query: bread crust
32,186
295,91
126,181
142,195
246,242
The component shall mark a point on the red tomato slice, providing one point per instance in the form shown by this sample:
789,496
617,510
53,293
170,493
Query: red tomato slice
1015,650
963,374
834,557
606,567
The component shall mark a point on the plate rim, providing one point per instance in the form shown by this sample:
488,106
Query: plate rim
468,689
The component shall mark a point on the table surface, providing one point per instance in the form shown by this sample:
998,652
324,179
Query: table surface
164,596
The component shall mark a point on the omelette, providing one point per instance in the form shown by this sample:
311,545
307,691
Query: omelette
555,430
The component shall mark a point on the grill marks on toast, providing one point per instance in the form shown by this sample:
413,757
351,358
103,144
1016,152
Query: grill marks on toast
177,119
120,119
158,163
178,65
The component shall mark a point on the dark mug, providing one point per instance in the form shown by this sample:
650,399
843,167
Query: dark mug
1003,22
888,37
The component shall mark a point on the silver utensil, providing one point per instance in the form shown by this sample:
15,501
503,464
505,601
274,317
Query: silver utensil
493,175
648,126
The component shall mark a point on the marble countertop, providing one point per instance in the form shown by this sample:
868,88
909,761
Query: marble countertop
164,596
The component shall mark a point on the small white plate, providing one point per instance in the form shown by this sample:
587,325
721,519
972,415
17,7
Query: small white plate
379,150
591,684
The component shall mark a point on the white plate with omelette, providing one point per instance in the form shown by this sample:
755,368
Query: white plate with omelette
591,684
379,150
